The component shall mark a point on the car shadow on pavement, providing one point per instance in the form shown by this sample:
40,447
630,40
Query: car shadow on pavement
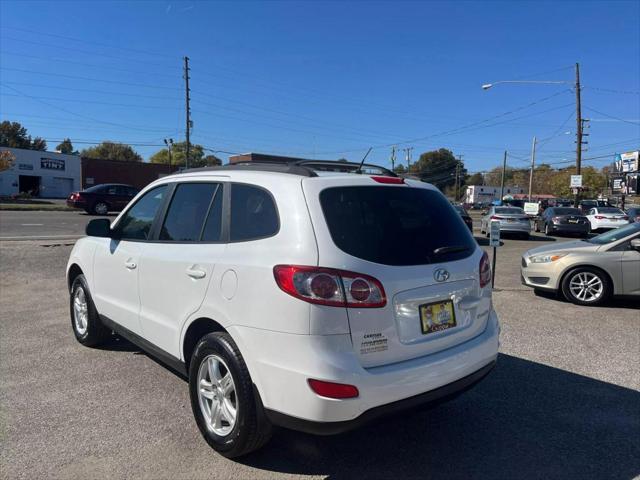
632,303
525,420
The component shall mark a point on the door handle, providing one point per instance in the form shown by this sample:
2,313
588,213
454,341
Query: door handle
130,264
196,273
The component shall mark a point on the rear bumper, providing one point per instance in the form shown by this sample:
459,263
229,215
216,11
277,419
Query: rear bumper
280,365
428,399
607,225
570,228
515,227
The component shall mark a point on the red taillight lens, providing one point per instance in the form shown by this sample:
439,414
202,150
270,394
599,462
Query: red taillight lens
600,217
327,286
485,270
389,180
333,390
495,217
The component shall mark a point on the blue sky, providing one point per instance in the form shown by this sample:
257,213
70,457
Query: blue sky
326,79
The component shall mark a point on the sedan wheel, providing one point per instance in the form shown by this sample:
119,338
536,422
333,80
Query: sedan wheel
101,208
586,286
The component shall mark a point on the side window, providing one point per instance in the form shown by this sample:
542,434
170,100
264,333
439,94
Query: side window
111,190
136,222
187,212
253,213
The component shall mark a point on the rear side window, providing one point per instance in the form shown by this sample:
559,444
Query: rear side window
187,212
136,222
395,225
253,213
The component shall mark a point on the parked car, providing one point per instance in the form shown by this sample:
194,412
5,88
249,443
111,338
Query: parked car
562,220
290,296
102,199
586,205
512,220
634,214
606,218
465,217
587,272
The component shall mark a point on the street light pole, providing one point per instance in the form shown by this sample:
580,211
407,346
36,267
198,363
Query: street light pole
504,168
533,160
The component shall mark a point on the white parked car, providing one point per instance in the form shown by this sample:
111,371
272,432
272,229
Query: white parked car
603,218
291,296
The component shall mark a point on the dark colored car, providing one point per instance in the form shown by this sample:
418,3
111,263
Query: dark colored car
634,214
465,216
102,199
566,220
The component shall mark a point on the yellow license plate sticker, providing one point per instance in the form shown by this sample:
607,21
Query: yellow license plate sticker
438,316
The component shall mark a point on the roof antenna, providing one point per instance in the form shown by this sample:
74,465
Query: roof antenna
359,170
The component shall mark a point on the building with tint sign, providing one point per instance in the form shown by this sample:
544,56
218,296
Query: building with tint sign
40,174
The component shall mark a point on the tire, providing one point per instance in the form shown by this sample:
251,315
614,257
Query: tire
573,292
100,208
85,322
232,436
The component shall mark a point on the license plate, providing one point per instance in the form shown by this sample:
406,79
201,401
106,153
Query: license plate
510,220
437,316
573,221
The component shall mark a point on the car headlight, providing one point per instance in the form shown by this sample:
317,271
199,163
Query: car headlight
546,258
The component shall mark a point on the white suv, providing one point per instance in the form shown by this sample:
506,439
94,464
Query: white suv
291,296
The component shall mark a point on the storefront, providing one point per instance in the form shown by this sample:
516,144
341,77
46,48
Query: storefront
40,174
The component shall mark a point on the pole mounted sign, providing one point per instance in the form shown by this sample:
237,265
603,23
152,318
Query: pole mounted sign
576,181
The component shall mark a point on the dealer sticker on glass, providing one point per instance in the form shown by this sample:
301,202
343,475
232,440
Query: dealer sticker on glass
438,316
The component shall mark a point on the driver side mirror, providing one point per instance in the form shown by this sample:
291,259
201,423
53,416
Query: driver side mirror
635,244
99,227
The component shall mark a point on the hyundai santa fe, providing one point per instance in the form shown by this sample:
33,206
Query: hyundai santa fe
291,296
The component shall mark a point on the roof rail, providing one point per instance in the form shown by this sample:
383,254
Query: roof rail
290,168
305,168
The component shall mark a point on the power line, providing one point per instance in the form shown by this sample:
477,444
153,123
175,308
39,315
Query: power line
611,116
88,90
95,102
611,90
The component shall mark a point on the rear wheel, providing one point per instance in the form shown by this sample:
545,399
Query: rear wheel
586,286
229,415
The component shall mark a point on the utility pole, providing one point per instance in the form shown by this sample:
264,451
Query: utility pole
393,158
188,109
458,165
533,161
504,168
169,144
408,155
578,132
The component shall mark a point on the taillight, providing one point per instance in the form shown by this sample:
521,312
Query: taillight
485,270
600,217
328,286
496,217
625,218
333,390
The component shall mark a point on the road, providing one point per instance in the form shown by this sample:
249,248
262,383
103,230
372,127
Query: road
563,401
35,225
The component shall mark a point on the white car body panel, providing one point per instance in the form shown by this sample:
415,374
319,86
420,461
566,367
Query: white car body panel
284,340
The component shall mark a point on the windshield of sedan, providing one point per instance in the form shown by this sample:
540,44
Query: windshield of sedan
510,211
566,211
617,234
616,211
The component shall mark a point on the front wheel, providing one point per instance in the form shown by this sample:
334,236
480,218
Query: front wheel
86,324
229,415
586,286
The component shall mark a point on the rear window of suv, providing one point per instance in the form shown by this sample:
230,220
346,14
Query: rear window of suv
395,225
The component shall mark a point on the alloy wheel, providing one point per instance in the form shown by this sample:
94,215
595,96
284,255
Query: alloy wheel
101,208
586,286
217,395
80,311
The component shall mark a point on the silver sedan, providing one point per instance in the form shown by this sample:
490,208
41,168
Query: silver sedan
587,272
512,220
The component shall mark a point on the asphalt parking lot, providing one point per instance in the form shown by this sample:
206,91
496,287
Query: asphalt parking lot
563,401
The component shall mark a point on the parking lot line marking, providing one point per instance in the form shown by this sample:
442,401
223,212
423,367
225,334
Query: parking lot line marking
32,224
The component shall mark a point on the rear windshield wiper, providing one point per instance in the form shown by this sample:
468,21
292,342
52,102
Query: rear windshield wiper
450,249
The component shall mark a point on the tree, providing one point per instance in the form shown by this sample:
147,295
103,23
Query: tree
475,179
6,160
179,154
212,161
66,147
400,169
438,167
112,151
14,135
